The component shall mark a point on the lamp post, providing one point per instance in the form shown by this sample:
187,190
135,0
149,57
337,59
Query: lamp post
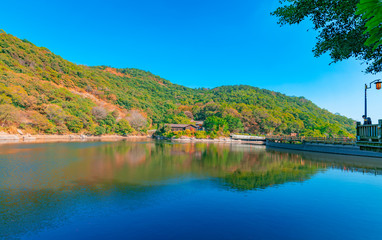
378,85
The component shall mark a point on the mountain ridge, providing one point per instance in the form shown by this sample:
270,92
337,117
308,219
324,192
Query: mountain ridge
41,85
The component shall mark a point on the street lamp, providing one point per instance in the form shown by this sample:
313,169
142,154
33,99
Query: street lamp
378,86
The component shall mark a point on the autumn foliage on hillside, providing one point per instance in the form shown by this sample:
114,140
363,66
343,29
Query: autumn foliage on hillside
40,92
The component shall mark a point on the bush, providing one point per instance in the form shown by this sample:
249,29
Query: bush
123,127
108,123
61,129
188,133
98,131
212,135
169,134
178,134
99,113
201,134
55,113
74,124
137,120
234,124
214,123
115,114
8,115
163,130
41,123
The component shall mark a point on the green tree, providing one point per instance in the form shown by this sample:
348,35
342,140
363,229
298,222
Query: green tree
108,123
180,118
214,123
74,124
123,127
234,124
371,11
340,29
99,130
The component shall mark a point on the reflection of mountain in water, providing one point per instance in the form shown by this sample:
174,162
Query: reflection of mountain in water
43,184
286,172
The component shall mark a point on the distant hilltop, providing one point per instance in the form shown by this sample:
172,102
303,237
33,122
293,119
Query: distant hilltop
40,92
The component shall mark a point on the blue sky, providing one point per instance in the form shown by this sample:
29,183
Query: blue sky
195,43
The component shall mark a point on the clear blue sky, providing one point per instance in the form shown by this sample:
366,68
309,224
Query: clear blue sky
198,43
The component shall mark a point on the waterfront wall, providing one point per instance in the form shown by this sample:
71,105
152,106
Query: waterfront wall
326,148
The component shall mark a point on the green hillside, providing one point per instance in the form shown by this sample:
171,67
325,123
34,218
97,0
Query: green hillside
41,92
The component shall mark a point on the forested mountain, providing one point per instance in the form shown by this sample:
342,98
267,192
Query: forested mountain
40,92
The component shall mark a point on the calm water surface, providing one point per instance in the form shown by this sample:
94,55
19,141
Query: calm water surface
163,190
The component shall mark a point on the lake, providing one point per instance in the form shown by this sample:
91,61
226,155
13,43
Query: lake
165,190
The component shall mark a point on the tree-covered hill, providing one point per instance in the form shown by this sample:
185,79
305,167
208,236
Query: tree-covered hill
40,92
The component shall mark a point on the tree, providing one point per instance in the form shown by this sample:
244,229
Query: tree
55,113
8,114
137,120
40,122
371,11
108,123
115,114
210,109
123,127
340,29
189,115
99,113
99,130
61,129
234,124
179,118
74,124
214,123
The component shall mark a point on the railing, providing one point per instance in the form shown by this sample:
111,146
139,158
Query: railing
318,140
369,137
370,132
247,137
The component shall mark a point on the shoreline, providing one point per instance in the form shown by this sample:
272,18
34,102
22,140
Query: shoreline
18,138
40,138
216,140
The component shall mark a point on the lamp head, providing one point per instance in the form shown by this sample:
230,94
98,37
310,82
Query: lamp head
378,85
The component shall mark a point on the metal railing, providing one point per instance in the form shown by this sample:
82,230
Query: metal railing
370,132
318,140
247,137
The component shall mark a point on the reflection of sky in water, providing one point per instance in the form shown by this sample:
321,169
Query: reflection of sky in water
184,191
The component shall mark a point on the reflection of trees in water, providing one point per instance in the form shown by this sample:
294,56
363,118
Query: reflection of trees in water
268,169
346,163
287,172
133,174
